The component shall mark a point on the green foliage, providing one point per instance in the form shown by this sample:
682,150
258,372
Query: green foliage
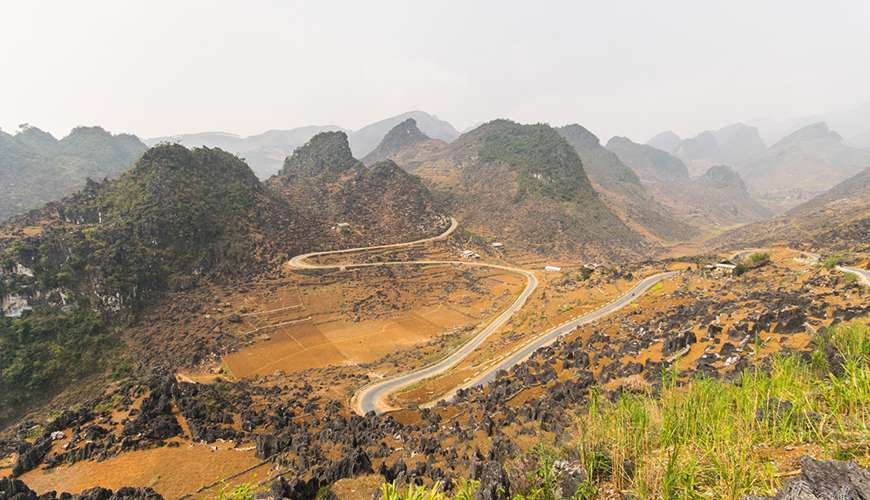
38,168
464,490
547,165
759,259
832,261
244,491
740,269
45,349
709,437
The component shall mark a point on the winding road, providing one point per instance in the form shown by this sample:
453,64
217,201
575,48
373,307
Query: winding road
863,274
373,397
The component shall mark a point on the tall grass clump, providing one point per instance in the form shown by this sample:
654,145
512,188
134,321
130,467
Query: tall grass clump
464,490
722,437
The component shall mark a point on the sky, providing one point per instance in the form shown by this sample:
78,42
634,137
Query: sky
630,68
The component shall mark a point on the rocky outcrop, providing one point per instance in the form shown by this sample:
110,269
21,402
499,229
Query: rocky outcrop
14,489
403,136
825,480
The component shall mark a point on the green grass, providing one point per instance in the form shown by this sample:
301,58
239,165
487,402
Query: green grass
464,491
705,438
832,261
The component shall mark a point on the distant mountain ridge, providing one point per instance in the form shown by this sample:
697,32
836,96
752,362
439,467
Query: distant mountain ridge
366,139
621,189
716,198
838,219
803,164
36,168
265,152
733,145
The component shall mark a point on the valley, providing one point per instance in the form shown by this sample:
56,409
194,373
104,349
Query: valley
439,311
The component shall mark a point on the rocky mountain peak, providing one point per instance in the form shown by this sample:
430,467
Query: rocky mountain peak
666,141
703,145
579,136
722,176
326,155
816,132
35,137
404,135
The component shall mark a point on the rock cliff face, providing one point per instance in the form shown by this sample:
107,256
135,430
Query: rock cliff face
621,189
716,198
36,168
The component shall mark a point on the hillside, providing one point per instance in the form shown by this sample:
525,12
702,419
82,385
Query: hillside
365,140
526,186
715,199
621,189
406,145
837,219
36,168
264,153
803,164
735,145
179,219
351,204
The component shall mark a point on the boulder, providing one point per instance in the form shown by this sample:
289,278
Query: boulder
825,480
494,484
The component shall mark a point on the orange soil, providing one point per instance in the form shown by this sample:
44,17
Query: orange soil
172,472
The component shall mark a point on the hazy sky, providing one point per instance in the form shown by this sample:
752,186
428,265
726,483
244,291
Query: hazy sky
628,68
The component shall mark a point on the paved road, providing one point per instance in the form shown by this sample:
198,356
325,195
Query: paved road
298,262
373,397
863,274
551,336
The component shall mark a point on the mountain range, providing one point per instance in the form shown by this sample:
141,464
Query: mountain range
716,198
36,168
836,219
265,152
804,163
510,182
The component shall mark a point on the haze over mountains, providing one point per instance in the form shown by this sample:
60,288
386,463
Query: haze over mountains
265,152
36,168
797,167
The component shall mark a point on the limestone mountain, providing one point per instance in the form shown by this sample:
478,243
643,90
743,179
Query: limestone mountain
36,168
621,189
349,203
264,153
666,141
403,136
85,265
365,140
802,165
405,144
836,219
734,145
716,198
526,186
